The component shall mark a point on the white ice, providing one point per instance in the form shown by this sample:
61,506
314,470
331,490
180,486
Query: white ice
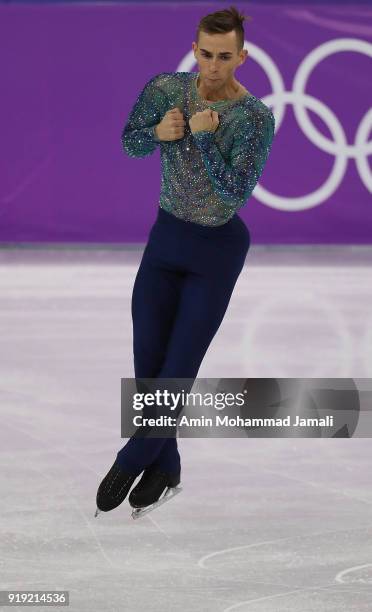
262,525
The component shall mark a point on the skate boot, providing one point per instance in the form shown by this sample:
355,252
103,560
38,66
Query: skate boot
114,488
146,495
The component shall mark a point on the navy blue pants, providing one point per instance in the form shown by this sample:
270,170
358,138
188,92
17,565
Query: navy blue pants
181,292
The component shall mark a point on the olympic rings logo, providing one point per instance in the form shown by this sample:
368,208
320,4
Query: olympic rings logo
338,147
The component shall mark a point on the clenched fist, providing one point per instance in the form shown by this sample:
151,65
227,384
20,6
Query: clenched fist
204,120
171,127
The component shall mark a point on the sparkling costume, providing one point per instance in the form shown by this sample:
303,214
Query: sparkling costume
194,255
206,176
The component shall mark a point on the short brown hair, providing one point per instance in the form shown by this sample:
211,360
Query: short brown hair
224,21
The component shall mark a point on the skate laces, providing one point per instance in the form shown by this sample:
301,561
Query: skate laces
117,479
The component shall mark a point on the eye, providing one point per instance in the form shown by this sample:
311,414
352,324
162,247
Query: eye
223,57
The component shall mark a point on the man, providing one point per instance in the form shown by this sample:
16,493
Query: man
214,139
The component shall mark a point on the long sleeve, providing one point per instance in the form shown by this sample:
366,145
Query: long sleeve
235,180
138,137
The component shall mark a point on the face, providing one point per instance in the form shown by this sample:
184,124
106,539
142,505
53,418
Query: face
218,57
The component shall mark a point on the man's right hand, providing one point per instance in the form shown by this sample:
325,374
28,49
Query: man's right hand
171,127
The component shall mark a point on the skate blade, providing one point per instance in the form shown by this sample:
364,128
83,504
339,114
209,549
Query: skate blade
169,493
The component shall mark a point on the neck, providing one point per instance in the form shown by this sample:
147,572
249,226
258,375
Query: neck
227,91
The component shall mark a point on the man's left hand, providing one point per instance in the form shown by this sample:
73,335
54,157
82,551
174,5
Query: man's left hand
204,120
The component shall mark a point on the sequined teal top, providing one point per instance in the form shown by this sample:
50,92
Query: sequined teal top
206,176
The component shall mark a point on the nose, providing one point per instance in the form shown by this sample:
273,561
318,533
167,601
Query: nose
213,65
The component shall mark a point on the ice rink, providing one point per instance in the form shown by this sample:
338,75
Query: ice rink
262,525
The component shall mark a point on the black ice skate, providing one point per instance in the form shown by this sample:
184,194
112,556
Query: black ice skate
146,495
114,488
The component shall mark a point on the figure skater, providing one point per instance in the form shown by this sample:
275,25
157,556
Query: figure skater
214,137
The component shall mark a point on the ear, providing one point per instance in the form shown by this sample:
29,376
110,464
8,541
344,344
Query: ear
243,56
